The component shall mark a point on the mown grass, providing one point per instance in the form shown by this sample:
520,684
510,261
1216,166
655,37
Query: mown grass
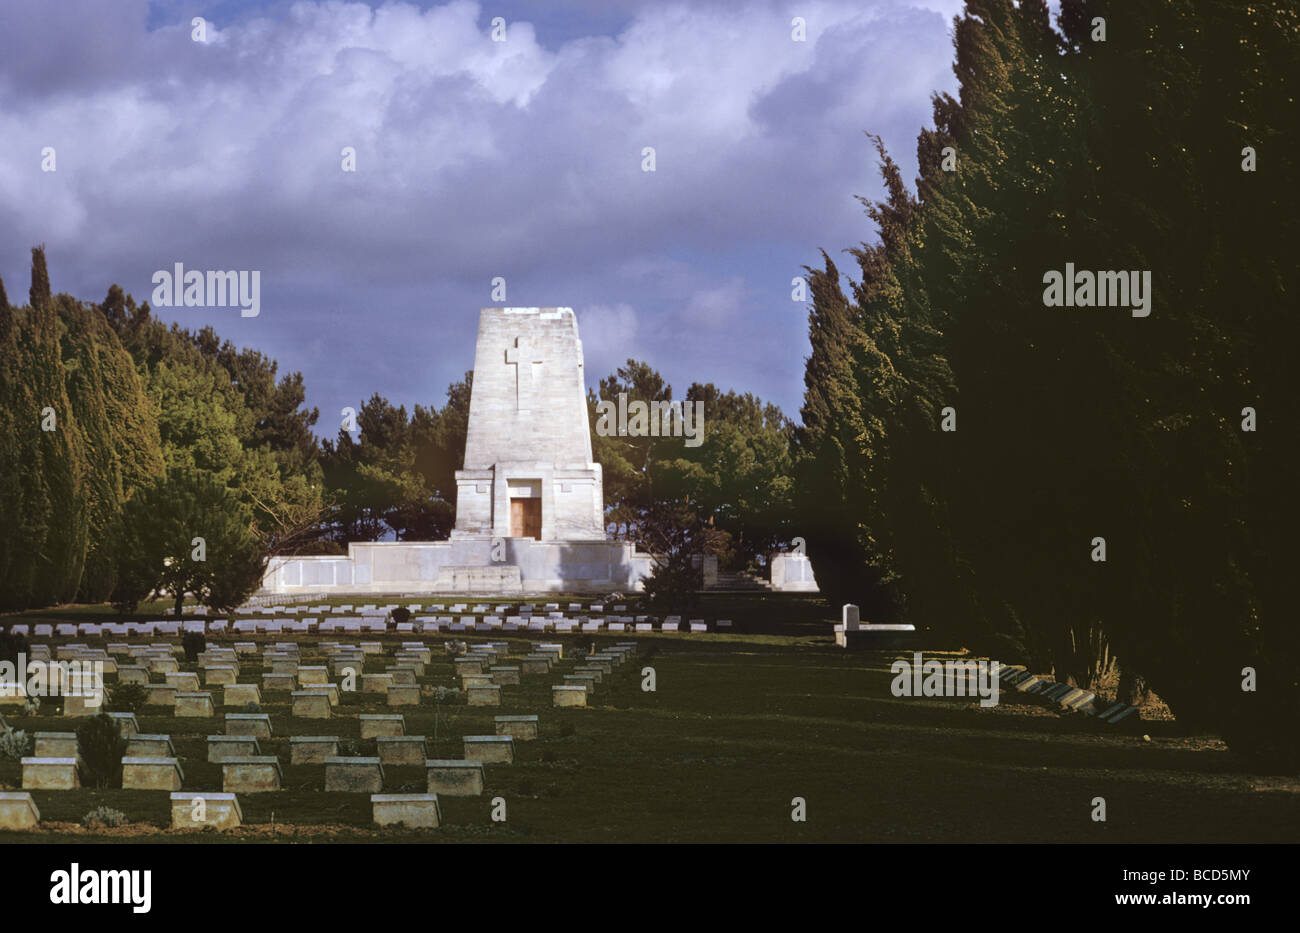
740,724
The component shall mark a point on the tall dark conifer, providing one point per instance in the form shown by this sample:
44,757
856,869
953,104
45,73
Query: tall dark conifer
39,294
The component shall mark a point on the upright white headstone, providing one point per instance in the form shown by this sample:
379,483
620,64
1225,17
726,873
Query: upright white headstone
850,617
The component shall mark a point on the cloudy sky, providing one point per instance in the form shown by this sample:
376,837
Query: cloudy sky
474,159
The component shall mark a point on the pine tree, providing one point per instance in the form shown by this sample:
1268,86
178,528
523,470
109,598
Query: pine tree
188,533
39,294
6,313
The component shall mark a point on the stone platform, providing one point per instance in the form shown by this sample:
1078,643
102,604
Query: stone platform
463,565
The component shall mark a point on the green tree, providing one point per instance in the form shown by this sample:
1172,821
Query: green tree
39,294
732,476
627,461
739,478
79,435
122,446
1076,423
189,534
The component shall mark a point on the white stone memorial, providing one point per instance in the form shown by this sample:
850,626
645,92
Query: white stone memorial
530,499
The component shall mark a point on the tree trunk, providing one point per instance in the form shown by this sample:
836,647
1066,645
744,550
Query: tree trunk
180,599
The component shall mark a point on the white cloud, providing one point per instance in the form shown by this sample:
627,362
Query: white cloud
475,158
609,338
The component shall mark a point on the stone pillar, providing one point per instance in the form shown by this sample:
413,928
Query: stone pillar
850,617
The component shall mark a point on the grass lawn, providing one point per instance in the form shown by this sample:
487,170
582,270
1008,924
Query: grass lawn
740,724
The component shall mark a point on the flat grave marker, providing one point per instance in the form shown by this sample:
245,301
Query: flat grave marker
568,695
374,725
151,774
221,747
520,728
150,746
354,775
489,748
256,724
195,705
240,695
50,774
252,774
312,749
453,777
311,704
415,811
401,749
18,811
218,811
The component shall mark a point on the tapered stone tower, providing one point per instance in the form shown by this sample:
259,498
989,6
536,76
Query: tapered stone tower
528,470
529,502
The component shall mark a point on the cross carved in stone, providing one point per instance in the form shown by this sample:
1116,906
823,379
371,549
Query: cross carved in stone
525,360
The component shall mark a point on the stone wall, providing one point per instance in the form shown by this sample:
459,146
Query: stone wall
430,567
792,573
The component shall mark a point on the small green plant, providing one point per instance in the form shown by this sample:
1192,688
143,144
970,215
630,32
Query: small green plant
102,747
127,698
101,817
14,744
251,707
194,644
349,748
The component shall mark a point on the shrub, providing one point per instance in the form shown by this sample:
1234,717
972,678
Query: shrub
194,644
127,698
251,707
101,817
673,585
401,614
14,744
102,747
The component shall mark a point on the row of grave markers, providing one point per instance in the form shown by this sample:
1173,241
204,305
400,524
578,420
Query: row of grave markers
150,761
1064,696
554,622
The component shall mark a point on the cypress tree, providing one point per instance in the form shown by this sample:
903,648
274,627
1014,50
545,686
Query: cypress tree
1086,422
6,312
39,294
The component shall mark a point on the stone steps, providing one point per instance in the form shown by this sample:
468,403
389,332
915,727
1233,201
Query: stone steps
739,583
